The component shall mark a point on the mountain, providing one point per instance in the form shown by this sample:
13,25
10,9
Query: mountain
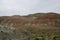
18,27
48,19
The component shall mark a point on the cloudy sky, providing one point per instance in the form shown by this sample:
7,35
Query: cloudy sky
24,7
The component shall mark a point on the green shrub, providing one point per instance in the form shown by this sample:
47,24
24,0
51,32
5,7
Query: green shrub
36,39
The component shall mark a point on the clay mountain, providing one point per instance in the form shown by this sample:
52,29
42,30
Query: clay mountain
18,27
52,19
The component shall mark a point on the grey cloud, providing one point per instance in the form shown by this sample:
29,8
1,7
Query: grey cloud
23,7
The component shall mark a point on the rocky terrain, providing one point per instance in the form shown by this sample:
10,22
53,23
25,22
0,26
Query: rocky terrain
38,26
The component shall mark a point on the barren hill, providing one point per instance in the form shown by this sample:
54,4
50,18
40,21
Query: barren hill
29,27
37,18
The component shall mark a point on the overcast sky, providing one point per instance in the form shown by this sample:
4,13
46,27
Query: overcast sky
24,7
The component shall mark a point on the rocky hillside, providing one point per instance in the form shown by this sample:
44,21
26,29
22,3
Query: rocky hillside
37,18
51,19
29,27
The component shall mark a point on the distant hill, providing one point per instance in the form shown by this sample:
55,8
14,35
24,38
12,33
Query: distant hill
37,18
